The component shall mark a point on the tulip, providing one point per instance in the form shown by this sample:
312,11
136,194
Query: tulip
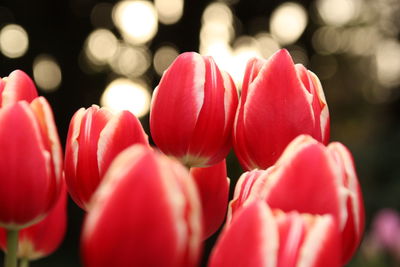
30,168
213,187
192,111
146,212
17,86
43,238
30,163
261,237
279,101
95,137
309,178
386,230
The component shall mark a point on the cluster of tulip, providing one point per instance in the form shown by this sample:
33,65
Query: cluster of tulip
298,204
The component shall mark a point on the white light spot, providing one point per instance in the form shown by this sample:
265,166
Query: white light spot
124,94
101,46
163,57
137,20
169,11
46,73
338,12
13,41
288,22
131,61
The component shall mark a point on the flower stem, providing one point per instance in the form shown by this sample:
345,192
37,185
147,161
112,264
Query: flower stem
24,262
10,259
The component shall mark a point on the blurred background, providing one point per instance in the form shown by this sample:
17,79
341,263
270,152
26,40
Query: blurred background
113,53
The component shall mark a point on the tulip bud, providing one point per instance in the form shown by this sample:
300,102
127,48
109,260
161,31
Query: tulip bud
30,163
43,238
146,212
279,101
17,86
213,187
259,237
310,178
95,137
192,111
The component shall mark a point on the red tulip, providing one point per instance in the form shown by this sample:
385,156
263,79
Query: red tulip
213,186
310,178
279,101
18,86
43,238
259,237
192,111
30,163
145,213
95,137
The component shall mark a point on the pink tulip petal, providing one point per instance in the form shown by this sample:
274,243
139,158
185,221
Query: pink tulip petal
18,86
251,240
277,109
305,181
146,211
123,130
25,167
213,186
180,93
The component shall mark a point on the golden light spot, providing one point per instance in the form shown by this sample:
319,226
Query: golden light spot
101,46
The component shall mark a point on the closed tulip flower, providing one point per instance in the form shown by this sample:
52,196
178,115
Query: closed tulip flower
310,178
192,111
261,237
30,163
213,187
95,137
17,86
43,238
279,101
146,212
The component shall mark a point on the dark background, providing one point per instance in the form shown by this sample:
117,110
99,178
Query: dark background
364,111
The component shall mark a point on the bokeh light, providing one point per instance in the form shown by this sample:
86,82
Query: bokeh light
101,46
244,49
137,20
267,44
14,41
288,22
124,94
169,11
163,57
218,13
46,73
338,12
131,61
388,63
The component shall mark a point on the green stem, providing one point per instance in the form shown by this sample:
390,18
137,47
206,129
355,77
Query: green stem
24,262
10,259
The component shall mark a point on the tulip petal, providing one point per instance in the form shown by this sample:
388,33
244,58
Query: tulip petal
277,109
25,167
125,128
81,169
306,182
213,186
251,240
146,211
180,93
253,67
18,86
